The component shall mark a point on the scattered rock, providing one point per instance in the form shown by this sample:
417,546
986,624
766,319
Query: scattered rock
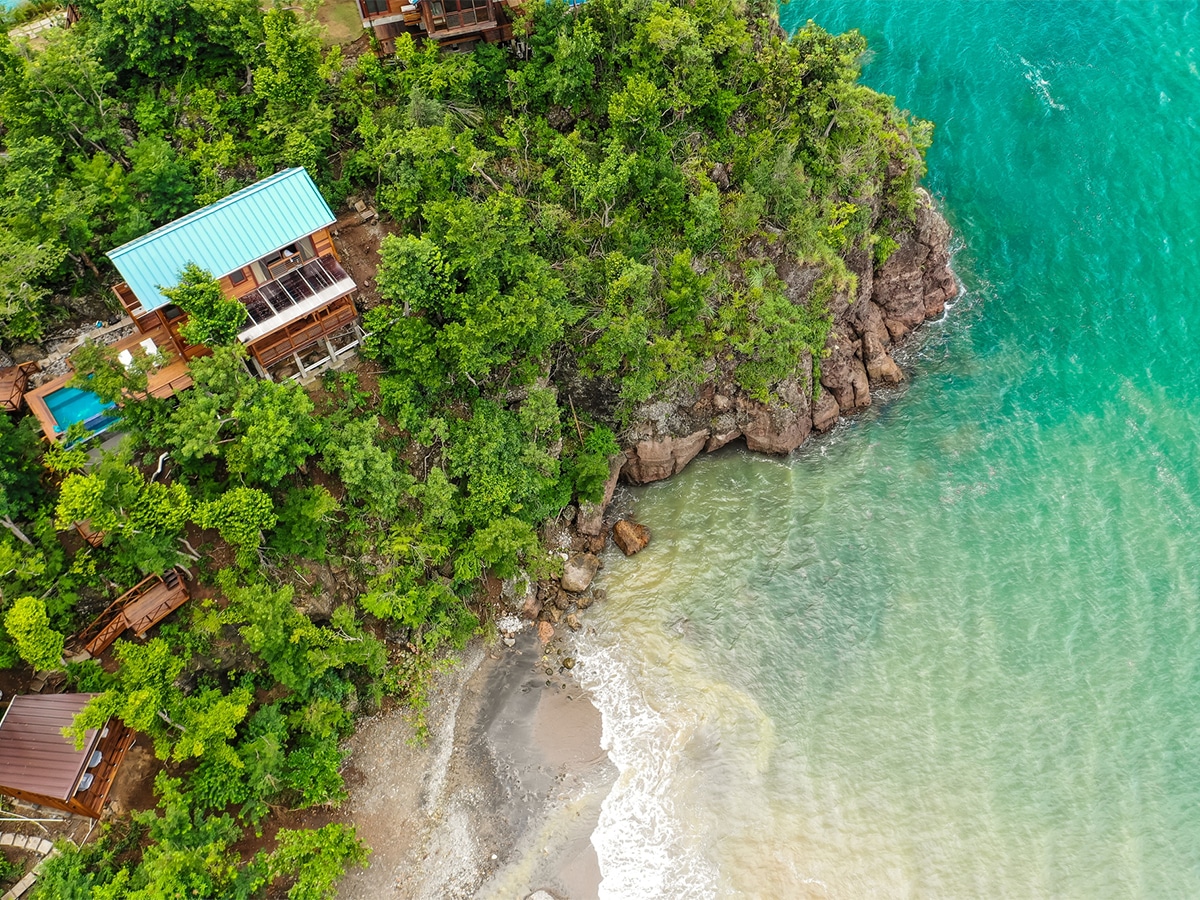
720,176
533,605
583,601
509,640
545,632
579,571
573,622
630,536
569,662
595,544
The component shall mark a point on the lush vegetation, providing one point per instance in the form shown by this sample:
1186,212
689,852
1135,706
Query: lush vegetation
611,212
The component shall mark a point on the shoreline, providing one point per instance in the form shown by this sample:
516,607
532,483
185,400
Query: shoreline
502,800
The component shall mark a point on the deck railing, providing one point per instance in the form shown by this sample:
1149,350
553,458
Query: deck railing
129,300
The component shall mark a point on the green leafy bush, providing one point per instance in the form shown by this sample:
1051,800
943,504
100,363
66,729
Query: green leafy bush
28,625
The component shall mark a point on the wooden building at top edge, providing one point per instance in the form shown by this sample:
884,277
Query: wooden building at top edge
453,24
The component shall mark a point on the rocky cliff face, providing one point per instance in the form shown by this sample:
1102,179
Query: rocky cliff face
912,286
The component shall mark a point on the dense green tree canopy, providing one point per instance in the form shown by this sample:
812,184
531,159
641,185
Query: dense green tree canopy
607,218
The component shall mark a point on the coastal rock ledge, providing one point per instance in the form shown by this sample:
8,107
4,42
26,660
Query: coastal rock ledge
912,287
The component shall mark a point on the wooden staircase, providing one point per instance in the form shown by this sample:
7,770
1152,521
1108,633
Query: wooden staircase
139,609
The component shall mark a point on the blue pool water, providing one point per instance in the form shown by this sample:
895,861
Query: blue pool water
69,405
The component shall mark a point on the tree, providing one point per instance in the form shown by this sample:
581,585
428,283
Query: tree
148,698
25,266
297,651
99,370
304,519
315,859
263,430
413,273
367,470
162,180
141,520
290,81
20,476
505,473
240,515
506,545
28,625
214,320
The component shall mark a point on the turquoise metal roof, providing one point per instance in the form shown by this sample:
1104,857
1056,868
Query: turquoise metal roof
224,236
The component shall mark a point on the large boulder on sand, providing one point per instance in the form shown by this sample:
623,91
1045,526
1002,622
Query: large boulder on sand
578,572
630,536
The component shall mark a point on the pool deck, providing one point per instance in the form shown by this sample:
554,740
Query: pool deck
164,382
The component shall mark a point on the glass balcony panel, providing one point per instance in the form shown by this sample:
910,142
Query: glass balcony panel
258,307
293,283
316,275
275,294
296,286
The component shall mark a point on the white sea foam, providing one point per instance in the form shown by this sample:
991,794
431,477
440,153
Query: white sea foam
643,846
1041,87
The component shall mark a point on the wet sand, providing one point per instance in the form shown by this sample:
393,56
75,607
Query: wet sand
502,800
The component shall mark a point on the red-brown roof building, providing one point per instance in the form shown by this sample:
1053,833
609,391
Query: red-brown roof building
39,765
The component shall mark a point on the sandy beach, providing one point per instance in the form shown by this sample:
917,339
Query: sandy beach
503,798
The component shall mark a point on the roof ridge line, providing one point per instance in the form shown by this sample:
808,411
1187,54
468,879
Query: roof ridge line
207,209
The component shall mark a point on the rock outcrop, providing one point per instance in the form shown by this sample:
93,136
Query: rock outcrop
912,286
590,520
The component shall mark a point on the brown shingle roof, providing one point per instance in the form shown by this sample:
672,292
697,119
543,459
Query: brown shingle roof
34,755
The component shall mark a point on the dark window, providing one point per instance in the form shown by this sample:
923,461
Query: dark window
238,277
172,312
375,6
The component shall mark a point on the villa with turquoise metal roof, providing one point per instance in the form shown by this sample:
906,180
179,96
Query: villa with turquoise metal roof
269,246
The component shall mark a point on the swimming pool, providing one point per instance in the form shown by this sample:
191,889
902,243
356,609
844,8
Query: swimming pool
69,405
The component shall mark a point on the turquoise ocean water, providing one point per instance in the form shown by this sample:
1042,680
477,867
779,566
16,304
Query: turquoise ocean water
953,650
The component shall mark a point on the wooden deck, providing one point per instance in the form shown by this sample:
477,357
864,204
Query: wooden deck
163,382
13,381
138,610
454,23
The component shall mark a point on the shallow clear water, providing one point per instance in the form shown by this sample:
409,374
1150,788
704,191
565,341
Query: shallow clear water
953,650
